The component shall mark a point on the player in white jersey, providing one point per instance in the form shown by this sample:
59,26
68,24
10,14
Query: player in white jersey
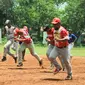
9,31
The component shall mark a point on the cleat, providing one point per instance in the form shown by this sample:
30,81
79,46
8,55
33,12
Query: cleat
41,62
3,59
24,60
63,69
56,71
69,77
15,59
20,64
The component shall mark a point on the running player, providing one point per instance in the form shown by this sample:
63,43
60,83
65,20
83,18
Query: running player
9,31
61,48
27,43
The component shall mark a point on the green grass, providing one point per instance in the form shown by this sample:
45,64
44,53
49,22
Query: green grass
41,50
1,48
78,51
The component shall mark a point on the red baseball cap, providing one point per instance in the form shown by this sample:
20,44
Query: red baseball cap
56,20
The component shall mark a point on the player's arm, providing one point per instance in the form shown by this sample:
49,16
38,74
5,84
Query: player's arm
48,40
22,39
4,32
18,39
63,39
44,29
74,38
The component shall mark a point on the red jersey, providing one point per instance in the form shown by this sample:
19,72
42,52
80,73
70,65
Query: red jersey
25,32
50,35
61,33
16,31
25,37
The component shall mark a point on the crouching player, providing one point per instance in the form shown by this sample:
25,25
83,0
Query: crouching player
26,43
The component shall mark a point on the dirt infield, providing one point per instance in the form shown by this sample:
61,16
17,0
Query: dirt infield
32,74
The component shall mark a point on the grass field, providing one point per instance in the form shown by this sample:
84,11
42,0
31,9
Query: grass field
41,50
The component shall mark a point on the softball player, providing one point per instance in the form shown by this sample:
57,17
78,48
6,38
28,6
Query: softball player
72,39
10,39
27,43
61,48
51,43
17,44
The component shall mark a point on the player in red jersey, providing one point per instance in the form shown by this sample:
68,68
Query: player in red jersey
50,40
27,42
61,48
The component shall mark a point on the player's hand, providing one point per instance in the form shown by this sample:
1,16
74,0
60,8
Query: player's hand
16,39
48,40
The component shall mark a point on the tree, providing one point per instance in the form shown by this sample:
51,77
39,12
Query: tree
75,15
34,13
5,10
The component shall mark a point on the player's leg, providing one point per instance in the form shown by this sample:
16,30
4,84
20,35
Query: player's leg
13,46
70,46
66,57
23,52
23,55
4,53
52,57
16,46
20,50
62,62
33,53
50,48
6,49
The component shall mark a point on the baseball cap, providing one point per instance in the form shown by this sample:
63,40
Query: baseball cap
56,20
7,22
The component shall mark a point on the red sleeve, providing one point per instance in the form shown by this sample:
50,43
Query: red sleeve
64,33
53,30
25,40
16,34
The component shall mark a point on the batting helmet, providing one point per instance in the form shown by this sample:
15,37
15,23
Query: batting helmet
7,22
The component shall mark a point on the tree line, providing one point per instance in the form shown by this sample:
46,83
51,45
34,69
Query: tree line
37,13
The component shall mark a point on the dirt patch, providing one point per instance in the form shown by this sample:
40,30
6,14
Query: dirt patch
32,74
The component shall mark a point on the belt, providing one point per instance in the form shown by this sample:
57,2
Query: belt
62,47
